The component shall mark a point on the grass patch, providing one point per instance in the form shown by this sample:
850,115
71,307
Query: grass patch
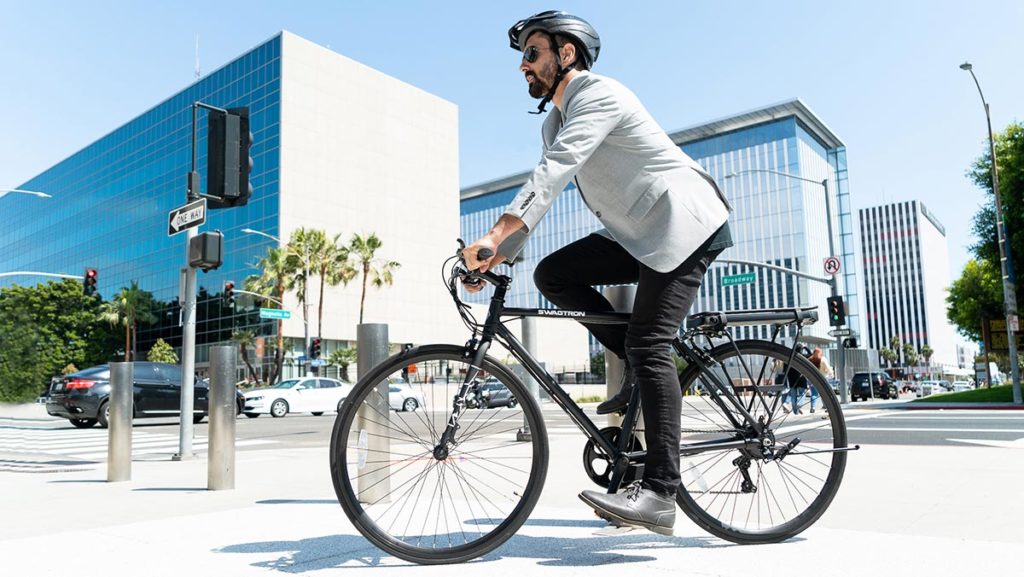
1001,394
590,399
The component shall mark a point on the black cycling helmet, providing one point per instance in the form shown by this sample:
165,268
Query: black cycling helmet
552,22
557,22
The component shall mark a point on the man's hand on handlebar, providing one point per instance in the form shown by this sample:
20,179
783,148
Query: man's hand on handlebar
480,256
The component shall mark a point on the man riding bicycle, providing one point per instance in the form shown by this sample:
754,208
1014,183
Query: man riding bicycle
665,221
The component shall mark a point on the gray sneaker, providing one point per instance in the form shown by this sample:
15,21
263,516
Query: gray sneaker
636,507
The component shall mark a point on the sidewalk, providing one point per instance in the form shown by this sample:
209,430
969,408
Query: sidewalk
932,511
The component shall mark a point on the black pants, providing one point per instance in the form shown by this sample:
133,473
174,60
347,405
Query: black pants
567,278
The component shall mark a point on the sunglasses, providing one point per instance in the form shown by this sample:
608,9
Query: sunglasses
531,54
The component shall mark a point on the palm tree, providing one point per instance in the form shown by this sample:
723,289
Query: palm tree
333,267
299,258
129,307
271,282
342,358
244,340
376,271
926,353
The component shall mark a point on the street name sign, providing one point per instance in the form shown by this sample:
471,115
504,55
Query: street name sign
185,217
275,314
733,280
840,333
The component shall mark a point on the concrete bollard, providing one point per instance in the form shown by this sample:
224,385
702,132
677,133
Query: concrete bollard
220,472
530,343
372,344
119,432
621,297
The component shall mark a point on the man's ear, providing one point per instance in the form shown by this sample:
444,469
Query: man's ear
568,54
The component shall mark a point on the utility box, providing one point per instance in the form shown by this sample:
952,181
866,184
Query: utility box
206,251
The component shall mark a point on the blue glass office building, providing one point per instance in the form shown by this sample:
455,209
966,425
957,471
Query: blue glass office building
778,219
111,200
328,131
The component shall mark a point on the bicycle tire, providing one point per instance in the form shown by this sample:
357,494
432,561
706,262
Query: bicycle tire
701,492
470,478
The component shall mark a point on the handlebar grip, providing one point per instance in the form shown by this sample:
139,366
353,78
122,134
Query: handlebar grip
484,254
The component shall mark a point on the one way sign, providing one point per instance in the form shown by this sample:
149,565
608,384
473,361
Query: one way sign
185,217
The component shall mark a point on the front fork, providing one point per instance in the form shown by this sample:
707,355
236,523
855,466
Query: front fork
447,441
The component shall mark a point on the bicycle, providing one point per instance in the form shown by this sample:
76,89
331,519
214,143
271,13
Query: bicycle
448,483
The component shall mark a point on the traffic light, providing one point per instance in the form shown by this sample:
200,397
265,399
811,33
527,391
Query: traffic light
850,343
836,311
314,348
229,293
89,282
228,161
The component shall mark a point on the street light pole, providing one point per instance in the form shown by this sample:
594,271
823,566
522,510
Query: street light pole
4,191
1009,291
305,298
834,281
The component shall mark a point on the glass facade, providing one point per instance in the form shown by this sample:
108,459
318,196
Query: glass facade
778,219
111,200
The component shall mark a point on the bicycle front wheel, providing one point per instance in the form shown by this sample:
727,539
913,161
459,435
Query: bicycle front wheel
782,480
429,506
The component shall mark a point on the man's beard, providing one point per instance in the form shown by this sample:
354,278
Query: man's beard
539,88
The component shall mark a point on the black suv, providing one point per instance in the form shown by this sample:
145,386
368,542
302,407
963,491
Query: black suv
82,397
882,384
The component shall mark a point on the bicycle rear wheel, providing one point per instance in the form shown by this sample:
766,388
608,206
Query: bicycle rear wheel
425,506
780,482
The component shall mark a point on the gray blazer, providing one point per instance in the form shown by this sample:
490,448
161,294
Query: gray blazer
652,198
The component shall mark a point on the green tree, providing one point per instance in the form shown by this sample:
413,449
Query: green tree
128,308
896,345
378,272
926,353
326,259
1009,145
272,282
342,358
889,355
976,296
45,329
973,297
597,364
910,354
244,340
162,353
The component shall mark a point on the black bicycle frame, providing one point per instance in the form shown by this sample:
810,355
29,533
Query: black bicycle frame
494,327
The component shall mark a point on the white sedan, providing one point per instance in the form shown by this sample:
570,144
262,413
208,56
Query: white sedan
402,397
315,395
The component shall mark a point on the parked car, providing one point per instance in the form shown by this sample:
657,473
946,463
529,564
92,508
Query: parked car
402,397
491,393
315,395
882,386
83,397
934,387
909,387
959,386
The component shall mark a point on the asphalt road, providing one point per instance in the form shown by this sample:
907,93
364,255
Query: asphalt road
867,426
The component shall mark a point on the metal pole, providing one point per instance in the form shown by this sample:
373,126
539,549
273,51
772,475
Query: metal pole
834,284
374,479
530,343
119,435
1009,291
621,297
188,330
305,311
220,472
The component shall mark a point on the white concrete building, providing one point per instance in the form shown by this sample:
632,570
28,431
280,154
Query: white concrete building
906,276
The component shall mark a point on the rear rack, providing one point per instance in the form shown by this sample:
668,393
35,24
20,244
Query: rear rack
717,320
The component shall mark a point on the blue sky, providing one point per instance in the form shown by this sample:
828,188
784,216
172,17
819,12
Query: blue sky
882,75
